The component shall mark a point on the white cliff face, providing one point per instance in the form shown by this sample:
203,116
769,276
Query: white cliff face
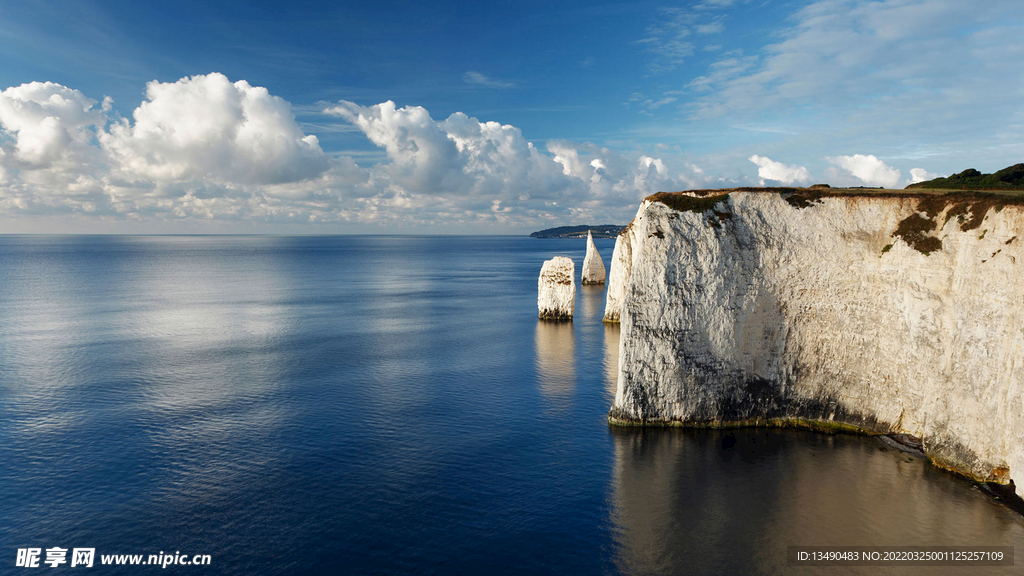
593,266
622,263
617,278
759,312
556,289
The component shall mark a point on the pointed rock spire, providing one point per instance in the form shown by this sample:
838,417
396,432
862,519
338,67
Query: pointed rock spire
593,267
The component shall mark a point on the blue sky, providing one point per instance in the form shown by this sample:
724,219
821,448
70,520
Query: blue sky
482,117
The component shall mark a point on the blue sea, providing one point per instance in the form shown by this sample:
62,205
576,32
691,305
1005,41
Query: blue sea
392,405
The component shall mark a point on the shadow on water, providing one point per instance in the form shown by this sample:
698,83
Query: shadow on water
731,501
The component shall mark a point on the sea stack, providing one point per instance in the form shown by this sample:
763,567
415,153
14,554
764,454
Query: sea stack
593,267
556,291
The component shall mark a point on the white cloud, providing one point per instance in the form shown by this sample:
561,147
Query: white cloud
48,159
48,122
472,163
206,148
418,148
768,169
868,169
208,127
655,104
731,66
200,147
712,4
474,77
710,28
666,40
614,179
867,69
920,175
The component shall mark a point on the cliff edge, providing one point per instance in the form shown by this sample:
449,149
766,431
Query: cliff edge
875,311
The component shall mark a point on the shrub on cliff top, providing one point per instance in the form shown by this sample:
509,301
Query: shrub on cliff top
687,203
1010,178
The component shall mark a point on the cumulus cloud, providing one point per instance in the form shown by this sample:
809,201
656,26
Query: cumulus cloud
48,160
920,175
868,169
768,169
200,147
205,147
474,164
48,123
616,179
208,127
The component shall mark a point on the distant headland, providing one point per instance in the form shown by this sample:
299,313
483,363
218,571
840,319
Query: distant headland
600,231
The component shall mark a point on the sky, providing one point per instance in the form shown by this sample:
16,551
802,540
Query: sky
482,117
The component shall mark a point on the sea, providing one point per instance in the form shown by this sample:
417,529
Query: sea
392,405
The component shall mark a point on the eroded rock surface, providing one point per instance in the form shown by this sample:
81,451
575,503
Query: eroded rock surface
622,264
593,266
845,312
556,289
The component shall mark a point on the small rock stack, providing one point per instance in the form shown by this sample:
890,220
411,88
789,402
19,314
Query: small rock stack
556,290
593,267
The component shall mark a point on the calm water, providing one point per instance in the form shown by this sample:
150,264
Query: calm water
391,405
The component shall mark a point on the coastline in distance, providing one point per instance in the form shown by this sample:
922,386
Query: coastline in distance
599,231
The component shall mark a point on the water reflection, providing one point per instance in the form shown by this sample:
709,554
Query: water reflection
611,360
556,365
591,299
41,320
730,502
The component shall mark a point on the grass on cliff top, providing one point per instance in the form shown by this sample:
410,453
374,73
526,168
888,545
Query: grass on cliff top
683,202
824,191
932,200
969,207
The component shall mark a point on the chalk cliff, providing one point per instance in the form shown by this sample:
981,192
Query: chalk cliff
556,289
622,264
593,266
882,312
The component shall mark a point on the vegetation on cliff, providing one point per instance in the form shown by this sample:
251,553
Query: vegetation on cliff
685,202
969,209
918,230
1010,178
